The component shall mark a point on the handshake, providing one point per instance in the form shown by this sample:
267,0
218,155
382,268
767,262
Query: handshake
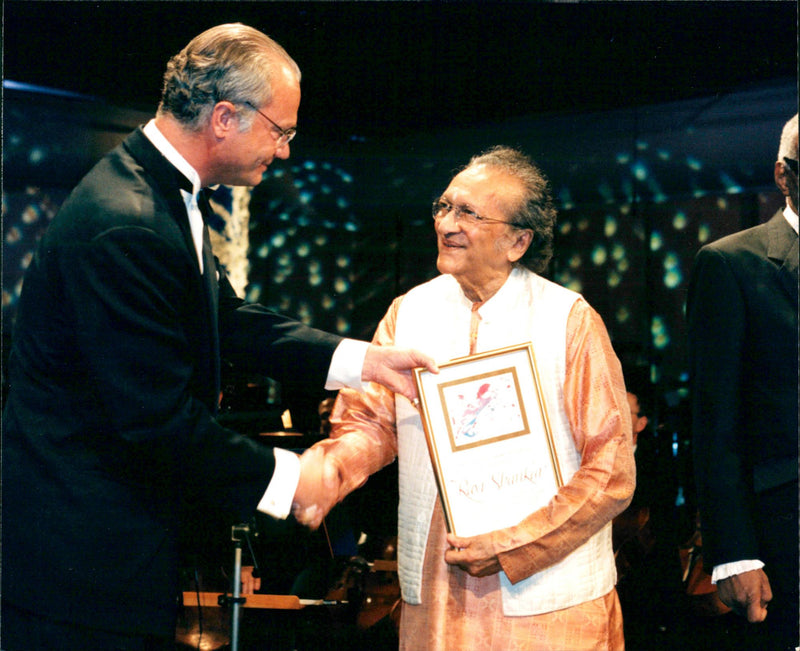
318,489
321,484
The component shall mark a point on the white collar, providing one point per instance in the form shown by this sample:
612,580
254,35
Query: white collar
163,145
791,217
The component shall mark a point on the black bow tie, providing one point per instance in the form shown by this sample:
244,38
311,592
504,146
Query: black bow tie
186,184
183,182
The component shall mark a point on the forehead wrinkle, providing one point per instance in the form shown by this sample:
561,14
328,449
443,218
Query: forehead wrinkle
490,200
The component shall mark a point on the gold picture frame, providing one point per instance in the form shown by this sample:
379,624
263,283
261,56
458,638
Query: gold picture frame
489,438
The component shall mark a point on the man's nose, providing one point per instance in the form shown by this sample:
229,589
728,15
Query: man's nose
448,222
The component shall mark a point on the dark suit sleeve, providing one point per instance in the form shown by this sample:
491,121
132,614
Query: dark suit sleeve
716,330
135,298
254,338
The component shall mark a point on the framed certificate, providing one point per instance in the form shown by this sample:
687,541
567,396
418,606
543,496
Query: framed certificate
489,439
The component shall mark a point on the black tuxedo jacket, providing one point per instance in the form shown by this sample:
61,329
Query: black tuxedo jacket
743,338
114,373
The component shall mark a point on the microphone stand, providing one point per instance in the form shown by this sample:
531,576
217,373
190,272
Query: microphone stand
239,533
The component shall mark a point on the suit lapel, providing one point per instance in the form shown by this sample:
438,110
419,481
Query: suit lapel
211,284
783,249
166,181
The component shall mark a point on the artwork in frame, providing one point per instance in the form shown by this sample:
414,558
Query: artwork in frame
489,438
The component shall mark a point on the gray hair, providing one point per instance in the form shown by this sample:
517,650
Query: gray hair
535,210
230,62
788,146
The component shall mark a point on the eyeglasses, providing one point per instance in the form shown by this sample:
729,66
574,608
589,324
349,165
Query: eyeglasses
791,163
284,135
442,208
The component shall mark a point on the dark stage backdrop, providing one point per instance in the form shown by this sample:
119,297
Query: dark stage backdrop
336,234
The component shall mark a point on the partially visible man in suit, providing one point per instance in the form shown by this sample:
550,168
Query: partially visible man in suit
109,425
743,345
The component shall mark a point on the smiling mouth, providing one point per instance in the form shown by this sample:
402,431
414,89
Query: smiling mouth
448,244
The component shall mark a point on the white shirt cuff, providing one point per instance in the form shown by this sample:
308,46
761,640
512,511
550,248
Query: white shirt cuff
737,567
277,500
347,364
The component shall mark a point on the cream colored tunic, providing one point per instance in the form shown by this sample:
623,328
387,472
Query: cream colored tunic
458,611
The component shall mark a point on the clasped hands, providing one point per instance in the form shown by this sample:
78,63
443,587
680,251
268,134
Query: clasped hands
318,489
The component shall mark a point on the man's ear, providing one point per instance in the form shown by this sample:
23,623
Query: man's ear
780,178
521,243
224,119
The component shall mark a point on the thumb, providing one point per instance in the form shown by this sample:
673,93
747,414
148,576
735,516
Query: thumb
311,517
455,541
755,611
420,359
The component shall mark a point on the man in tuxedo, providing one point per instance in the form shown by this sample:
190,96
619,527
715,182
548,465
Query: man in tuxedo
125,316
743,337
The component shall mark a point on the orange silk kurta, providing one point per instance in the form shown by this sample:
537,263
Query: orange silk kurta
459,611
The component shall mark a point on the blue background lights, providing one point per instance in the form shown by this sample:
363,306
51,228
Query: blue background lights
599,255
660,333
656,241
335,233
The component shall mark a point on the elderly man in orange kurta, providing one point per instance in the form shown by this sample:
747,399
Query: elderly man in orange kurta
546,583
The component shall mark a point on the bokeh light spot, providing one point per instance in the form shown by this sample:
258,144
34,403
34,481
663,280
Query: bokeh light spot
599,255
656,241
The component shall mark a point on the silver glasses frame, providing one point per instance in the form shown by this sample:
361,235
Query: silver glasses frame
285,136
441,208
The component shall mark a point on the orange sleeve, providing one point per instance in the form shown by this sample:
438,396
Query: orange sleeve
363,436
597,408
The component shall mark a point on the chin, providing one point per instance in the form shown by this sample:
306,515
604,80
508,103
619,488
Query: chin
249,182
444,266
